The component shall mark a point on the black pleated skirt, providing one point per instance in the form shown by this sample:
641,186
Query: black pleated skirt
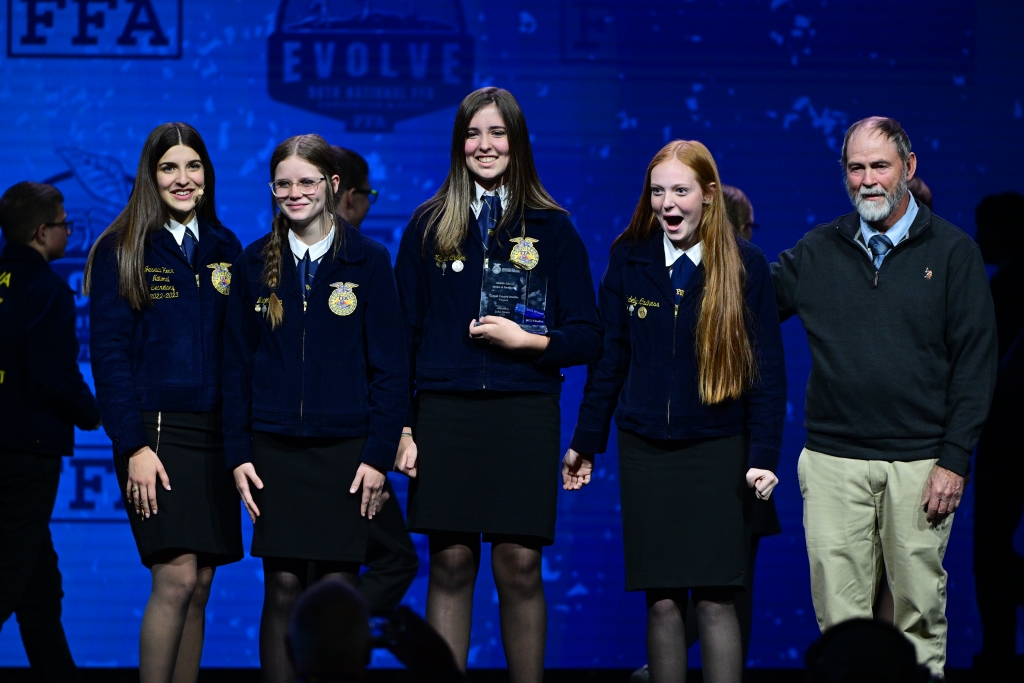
685,511
201,513
488,463
306,511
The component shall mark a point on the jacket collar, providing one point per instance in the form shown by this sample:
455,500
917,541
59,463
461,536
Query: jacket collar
209,237
513,228
349,251
849,225
649,254
22,253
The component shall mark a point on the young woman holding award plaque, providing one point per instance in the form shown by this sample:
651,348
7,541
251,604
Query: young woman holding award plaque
693,370
497,296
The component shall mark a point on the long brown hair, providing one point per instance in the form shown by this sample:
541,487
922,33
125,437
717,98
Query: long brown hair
313,149
725,354
447,224
146,213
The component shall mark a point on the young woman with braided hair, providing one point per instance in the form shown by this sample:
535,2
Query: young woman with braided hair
315,387
693,371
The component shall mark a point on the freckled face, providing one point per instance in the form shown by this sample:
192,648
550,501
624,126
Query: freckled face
487,148
677,201
179,177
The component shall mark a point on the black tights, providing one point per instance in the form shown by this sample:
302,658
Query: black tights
283,583
516,563
721,646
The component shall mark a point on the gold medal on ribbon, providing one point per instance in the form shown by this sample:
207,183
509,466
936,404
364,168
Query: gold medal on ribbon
221,277
524,254
343,300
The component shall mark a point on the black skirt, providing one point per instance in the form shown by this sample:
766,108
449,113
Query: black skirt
306,511
487,463
684,511
201,514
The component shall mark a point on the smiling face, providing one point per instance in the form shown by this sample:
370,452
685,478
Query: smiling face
876,177
300,208
180,178
678,201
487,148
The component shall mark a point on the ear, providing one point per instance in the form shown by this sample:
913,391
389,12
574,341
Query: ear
39,236
336,182
911,166
712,191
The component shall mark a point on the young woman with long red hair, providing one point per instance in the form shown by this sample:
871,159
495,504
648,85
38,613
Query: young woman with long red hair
694,373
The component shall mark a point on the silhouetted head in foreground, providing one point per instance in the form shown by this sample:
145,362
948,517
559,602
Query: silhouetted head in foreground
863,651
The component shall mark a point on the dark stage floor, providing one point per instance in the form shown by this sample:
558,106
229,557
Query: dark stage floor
476,675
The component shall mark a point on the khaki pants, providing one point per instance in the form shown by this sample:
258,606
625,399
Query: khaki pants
863,516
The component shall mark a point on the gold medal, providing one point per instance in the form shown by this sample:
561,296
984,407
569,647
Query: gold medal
524,254
343,300
221,277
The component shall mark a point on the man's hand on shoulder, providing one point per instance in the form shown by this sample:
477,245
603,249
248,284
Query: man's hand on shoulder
942,493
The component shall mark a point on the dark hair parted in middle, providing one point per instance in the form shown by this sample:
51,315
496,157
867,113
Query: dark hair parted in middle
352,168
449,209
146,212
725,356
313,149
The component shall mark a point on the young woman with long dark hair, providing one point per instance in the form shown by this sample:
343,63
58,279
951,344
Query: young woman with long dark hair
315,387
693,370
158,282
487,388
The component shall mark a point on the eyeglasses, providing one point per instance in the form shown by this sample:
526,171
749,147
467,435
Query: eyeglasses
283,188
371,195
67,225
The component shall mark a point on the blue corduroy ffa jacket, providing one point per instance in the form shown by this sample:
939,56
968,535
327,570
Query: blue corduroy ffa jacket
42,393
167,356
438,304
336,369
647,374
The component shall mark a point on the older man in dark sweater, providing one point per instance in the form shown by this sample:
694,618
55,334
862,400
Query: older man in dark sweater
902,332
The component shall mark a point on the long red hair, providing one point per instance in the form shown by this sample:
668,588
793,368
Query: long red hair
725,355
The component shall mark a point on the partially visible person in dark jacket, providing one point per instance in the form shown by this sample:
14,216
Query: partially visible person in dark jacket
390,553
903,347
158,280
998,497
43,397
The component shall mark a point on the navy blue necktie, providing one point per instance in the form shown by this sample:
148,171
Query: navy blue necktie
189,247
307,271
490,214
880,246
682,272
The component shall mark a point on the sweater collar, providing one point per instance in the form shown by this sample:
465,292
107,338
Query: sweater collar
849,225
24,254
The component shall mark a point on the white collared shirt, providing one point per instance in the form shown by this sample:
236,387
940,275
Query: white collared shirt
178,230
316,251
672,253
478,202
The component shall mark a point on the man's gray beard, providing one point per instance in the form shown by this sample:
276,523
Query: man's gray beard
872,212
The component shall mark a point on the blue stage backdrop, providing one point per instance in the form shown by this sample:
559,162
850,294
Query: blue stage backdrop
769,86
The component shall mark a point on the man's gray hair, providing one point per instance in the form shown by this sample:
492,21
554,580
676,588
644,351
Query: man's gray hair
890,128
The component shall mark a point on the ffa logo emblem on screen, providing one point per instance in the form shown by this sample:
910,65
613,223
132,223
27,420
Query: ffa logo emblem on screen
343,300
370,64
115,29
221,277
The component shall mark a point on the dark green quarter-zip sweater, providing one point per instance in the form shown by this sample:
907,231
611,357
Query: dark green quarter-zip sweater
903,358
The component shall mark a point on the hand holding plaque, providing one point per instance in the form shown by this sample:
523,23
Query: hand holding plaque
513,293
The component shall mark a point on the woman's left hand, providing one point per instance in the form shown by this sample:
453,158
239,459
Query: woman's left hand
372,480
762,481
507,334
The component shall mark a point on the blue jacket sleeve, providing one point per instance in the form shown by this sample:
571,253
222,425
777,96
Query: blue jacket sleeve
576,338
386,364
765,403
112,323
241,339
607,375
53,358
413,293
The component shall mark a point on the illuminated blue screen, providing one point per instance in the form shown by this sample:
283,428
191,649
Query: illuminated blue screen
770,86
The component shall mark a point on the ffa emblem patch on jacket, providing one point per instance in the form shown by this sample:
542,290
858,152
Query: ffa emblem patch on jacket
221,277
343,300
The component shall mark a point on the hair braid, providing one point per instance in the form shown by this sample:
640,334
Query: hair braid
272,268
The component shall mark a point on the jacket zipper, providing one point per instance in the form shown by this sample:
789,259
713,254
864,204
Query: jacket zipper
302,395
668,408
871,260
487,262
